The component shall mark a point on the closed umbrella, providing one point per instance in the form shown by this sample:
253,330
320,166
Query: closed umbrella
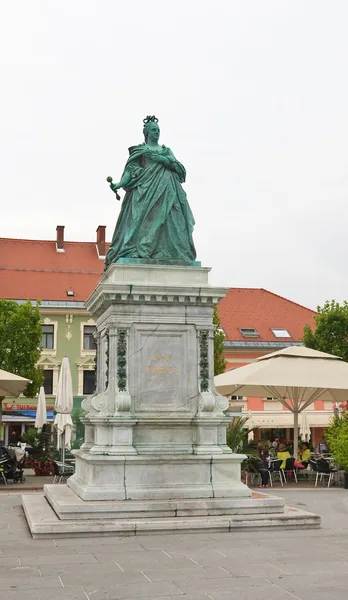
63,407
12,385
296,376
41,412
305,430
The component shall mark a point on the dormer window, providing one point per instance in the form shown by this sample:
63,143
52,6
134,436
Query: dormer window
280,333
249,332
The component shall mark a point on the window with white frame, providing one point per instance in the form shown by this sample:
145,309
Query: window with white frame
88,337
47,339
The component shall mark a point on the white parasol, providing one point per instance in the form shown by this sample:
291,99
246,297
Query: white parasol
12,385
296,376
63,407
41,412
305,430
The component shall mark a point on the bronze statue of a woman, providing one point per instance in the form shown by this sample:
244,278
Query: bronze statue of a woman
155,223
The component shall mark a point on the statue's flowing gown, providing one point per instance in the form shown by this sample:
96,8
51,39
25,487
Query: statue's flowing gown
155,221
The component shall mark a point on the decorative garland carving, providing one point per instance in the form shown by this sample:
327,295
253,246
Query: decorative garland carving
204,359
106,360
96,339
122,360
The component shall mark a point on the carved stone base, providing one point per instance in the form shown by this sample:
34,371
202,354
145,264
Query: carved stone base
157,477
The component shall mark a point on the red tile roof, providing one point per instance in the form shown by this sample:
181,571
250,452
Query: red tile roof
33,269
262,310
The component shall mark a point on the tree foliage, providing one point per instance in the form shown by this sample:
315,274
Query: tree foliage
20,337
331,330
237,434
219,336
336,437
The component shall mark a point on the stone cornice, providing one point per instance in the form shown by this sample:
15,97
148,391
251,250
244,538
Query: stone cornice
169,285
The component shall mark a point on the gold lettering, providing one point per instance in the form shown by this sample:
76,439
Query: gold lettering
162,357
158,370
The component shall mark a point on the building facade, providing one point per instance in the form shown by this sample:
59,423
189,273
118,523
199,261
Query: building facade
60,275
256,322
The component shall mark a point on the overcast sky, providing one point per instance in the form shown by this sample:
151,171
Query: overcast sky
252,97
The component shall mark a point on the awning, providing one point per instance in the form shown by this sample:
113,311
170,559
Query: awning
32,413
25,416
285,419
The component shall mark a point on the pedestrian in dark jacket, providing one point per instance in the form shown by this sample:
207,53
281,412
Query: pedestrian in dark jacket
264,468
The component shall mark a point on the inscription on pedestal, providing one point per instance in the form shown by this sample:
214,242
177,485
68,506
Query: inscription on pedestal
162,381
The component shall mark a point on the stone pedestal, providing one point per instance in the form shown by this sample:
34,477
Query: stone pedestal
155,428
154,457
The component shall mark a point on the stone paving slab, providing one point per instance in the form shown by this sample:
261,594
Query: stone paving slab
29,582
45,594
133,590
64,559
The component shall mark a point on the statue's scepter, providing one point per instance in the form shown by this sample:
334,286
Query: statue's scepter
109,180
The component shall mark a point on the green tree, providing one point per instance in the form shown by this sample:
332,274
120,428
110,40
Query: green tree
337,438
219,336
331,330
20,337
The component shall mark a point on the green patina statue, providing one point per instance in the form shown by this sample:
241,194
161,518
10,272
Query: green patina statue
155,224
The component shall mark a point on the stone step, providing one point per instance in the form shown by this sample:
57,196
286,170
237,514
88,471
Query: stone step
44,523
67,505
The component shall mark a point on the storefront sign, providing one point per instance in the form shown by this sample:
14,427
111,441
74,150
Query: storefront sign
17,406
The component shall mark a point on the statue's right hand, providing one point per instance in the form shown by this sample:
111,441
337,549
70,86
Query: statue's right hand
114,187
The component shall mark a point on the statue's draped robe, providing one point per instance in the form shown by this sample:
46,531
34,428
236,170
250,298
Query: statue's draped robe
155,221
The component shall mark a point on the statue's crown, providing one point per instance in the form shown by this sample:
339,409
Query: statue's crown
150,119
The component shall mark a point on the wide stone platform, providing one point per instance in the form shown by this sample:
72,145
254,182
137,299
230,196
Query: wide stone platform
60,513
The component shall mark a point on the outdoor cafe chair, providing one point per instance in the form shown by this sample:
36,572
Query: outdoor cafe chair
289,468
314,468
275,469
61,471
325,470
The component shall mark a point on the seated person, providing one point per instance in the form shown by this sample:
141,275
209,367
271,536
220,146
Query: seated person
283,454
305,456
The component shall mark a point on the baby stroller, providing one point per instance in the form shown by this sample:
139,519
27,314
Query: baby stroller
11,468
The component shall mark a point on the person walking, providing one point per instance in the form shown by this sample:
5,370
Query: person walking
264,468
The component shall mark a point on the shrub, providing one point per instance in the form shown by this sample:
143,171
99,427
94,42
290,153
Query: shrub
42,465
337,438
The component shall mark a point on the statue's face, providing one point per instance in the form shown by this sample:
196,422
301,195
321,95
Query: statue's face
153,132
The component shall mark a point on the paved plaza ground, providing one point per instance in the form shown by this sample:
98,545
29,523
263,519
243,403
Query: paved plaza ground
266,565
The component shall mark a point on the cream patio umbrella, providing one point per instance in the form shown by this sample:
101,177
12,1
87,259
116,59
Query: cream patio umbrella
12,385
63,407
41,412
296,376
